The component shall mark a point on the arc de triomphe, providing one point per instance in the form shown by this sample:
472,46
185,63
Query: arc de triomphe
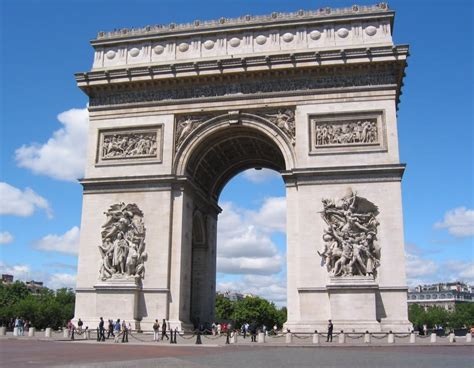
176,111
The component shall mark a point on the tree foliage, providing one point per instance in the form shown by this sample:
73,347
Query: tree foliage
249,309
462,316
44,309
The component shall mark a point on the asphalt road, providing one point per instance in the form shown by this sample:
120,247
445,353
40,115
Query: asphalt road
33,353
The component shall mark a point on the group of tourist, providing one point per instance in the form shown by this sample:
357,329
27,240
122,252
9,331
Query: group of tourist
119,330
21,324
156,331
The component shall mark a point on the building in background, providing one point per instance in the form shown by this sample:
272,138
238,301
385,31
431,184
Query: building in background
445,295
7,279
34,286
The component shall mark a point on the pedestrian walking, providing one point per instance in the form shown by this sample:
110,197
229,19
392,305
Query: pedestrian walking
101,330
117,327
330,328
79,325
253,331
163,330
156,331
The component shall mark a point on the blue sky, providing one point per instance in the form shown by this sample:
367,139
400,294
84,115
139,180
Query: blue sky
43,43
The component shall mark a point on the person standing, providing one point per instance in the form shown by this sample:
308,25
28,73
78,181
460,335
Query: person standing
101,330
253,331
330,328
163,330
79,325
117,330
124,332
156,331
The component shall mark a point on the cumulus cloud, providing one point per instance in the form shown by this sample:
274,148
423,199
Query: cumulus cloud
260,176
458,221
66,243
242,247
19,202
24,272
63,155
61,280
417,266
6,237
271,216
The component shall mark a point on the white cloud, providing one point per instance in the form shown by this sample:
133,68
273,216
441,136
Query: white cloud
19,271
6,237
245,248
24,273
417,267
260,176
65,243
271,216
63,156
16,202
458,221
61,280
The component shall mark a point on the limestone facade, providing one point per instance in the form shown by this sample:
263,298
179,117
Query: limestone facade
177,111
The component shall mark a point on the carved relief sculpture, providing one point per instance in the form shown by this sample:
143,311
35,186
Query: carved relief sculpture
123,243
185,125
346,133
285,120
129,145
350,247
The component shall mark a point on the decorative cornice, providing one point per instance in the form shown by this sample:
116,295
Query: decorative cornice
221,24
344,174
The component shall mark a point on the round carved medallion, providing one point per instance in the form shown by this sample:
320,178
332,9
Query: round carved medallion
134,52
288,37
234,42
315,35
371,30
261,39
343,32
209,44
158,49
110,54
183,47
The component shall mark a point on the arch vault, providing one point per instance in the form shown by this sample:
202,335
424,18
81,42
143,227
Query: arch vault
177,111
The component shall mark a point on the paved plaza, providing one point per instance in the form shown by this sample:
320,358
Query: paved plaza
27,352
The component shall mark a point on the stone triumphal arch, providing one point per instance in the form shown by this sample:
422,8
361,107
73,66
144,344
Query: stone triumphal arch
176,111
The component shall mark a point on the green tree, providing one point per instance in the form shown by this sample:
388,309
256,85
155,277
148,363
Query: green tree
224,308
255,309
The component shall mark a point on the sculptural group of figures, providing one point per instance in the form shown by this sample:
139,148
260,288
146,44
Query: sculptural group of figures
349,133
129,145
123,243
350,240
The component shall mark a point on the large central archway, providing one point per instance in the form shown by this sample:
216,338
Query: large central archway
209,157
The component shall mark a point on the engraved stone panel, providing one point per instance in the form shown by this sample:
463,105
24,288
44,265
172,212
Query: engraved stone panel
347,132
129,145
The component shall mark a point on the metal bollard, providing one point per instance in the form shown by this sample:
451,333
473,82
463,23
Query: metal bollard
433,337
3,331
289,337
47,332
31,332
452,337
15,331
342,338
468,337
261,338
315,337
412,338
367,337
391,338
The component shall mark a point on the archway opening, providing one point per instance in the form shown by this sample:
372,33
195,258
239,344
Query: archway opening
222,156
